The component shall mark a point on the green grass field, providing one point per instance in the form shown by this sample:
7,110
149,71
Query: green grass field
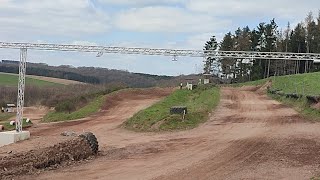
12,80
200,103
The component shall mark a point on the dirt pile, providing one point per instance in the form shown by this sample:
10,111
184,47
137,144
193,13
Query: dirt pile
115,99
75,149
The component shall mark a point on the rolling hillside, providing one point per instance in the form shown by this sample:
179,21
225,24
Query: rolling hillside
96,75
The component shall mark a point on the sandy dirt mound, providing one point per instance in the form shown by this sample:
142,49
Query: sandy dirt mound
117,98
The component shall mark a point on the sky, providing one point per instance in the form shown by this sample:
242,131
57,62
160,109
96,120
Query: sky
176,24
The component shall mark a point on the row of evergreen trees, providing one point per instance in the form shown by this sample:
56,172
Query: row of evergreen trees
267,37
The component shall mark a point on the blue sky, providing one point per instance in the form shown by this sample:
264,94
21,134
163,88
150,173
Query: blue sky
179,24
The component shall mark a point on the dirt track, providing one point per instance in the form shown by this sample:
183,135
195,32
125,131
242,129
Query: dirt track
248,137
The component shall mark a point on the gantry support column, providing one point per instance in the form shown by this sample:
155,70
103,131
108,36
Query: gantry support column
21,88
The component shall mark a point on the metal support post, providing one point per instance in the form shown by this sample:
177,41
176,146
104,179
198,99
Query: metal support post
21,88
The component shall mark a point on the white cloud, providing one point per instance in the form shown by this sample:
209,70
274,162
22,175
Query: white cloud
167,19
284,9
188,23
140,2
59,17
197,41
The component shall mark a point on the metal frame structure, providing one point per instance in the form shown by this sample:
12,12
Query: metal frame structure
21,88
100,50
165,52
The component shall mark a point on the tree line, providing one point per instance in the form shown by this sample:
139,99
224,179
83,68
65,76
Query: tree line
266,37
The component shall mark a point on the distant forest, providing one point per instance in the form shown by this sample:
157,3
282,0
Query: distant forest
96,75
266,37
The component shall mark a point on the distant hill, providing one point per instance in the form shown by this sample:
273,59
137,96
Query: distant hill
95,75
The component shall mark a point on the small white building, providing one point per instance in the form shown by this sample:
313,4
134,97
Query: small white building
10,108
206,78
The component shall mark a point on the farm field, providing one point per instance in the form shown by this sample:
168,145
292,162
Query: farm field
12,80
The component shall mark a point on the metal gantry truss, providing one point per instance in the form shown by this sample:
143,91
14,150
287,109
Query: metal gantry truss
165,52
100,50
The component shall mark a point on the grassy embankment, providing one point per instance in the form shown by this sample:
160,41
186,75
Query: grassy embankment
79,107
75,107
200,102
89,109
12,80
302,84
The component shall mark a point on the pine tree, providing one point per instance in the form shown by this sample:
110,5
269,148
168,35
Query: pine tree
210,61
227,64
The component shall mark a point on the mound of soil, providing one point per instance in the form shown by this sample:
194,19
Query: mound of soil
33,161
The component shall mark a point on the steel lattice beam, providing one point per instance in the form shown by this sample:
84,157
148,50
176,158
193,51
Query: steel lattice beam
165,52
21,88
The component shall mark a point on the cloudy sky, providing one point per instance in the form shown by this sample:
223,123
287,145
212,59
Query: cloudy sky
179,24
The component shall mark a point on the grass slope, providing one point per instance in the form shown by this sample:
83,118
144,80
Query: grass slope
307,84
12,80
83,112
200,103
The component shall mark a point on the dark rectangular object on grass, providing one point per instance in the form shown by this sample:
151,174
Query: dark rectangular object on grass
178,110
313,99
